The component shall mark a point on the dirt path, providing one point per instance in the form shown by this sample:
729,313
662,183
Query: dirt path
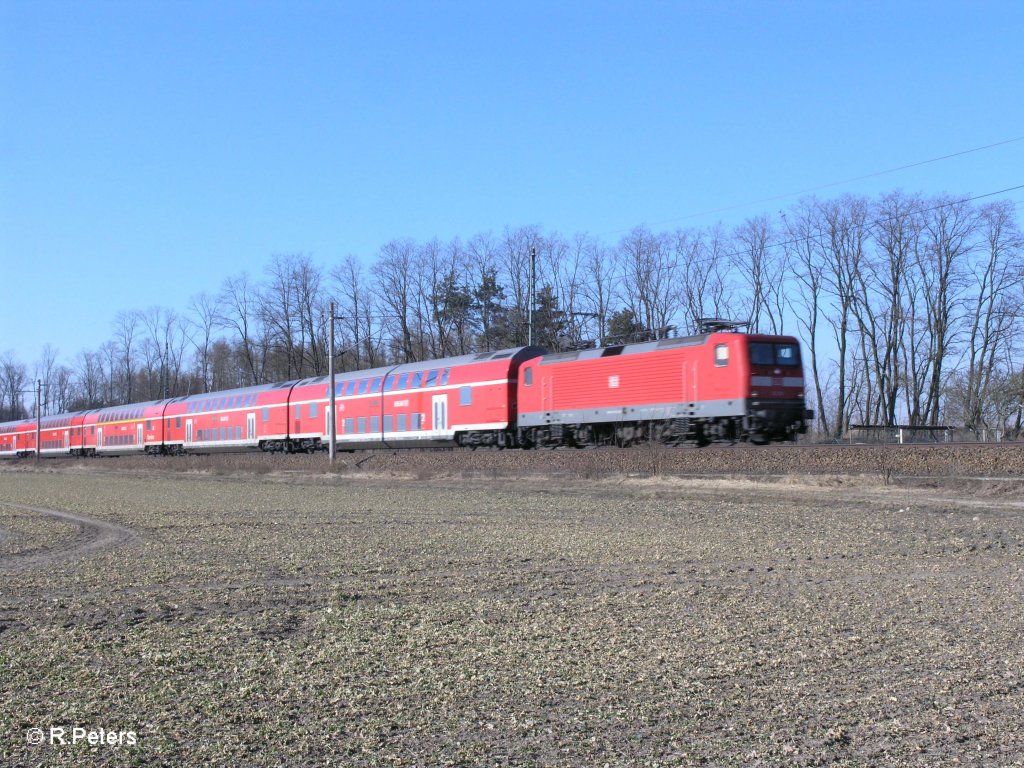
91,536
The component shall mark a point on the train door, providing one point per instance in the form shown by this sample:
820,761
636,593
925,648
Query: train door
99,437
440,414
690,381
547,391
67,439
141,434
188,431
250,426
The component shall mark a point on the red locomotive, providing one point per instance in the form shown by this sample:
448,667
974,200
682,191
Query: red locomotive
699,389
716,386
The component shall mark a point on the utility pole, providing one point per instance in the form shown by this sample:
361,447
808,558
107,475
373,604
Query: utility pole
332,417
332,431
532,291
39,417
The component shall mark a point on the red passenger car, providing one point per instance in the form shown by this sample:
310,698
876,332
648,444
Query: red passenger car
16,437
234,420
465,400
120,430
695,388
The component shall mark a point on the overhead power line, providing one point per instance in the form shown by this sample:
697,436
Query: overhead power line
831,184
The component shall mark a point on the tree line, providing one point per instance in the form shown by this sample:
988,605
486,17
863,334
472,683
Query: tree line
910,309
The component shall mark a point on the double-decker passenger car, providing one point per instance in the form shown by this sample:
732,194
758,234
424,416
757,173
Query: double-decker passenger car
464,400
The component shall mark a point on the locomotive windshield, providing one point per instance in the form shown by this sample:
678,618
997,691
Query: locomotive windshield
767,353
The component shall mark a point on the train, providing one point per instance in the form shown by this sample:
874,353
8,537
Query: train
721,385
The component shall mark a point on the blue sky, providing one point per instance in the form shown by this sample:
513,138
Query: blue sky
151,149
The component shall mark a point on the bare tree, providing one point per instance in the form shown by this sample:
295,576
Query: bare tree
703,258
357,308
842,234
487,292
14,380
599,280
948,229
762,270
62,391
46,369
997,276
649,267
802,232
240,301
204,318
883,296
126,329
395,282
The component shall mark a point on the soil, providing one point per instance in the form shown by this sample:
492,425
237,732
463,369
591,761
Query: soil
415,614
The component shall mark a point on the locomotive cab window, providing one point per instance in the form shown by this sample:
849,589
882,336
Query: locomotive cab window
528,377
465,395
786,354
766,353
721,355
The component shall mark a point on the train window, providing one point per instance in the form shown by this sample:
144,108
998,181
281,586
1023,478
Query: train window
265,415
375,386
528,377
417,380
721,355
351,387
444,376
417,421
362,386
389,423
149,426
389,382
362,425
402,422
787,354
92,430
431,378
312,410
403,381
347,425
298,412
465,395
375,423
761,353
177,422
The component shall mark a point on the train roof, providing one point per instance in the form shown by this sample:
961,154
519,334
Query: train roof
625,349
230,392
514,354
